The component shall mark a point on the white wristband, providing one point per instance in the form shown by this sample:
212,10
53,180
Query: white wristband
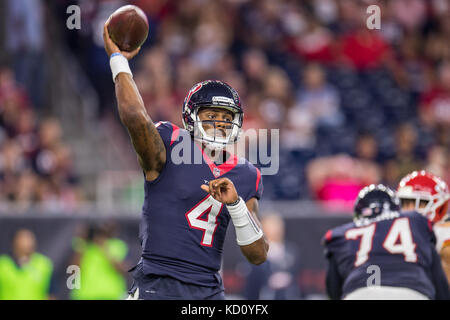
118,64
247,231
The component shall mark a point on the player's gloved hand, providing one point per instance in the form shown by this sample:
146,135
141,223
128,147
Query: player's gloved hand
111,47
222,190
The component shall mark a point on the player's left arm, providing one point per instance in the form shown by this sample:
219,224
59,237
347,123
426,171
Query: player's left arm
333,280
256,252
249,233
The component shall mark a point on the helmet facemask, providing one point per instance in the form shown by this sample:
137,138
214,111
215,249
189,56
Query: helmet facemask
216,134
434,204
422,186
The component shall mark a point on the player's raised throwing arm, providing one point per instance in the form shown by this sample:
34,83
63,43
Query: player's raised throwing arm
145,137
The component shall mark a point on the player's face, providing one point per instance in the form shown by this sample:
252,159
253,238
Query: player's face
216,121
408,205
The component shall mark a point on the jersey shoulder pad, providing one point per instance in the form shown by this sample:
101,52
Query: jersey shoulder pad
418,219
254,175
168,131
336,233
412,214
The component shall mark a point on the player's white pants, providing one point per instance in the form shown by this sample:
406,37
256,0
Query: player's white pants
385,293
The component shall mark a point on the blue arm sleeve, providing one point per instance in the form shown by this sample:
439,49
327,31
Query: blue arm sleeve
333,279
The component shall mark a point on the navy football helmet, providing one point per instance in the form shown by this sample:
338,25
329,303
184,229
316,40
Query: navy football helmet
374,200
217,94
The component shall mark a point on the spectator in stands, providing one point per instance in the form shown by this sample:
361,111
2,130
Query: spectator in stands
26,191
336,180
255,66
275,279
405,143
317,104
366,153
211,36
410,14
25,41
26,274
437,48
366,147
159,96
435,104
312,42
35,164
413,72
360,47
12,165
438,162
260,25
405,159
52,161
277,97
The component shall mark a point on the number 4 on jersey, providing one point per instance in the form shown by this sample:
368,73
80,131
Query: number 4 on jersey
398,240
401,232
211,208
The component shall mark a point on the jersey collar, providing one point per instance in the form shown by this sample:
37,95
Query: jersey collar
219,170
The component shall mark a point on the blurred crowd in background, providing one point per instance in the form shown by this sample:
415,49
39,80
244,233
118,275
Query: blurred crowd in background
354,106
35,163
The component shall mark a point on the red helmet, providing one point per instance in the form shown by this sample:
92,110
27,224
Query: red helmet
424,186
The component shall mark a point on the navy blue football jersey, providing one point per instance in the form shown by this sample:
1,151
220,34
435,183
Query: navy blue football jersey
183,228
400,244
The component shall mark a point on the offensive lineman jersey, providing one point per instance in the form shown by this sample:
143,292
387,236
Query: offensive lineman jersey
183,228
400,244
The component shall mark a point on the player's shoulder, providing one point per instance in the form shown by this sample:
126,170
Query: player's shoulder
166,126
336,233
249,170
249,177
169,131
245,165
417,221
412,214
415,216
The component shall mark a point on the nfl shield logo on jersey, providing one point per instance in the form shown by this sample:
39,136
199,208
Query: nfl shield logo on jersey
216,172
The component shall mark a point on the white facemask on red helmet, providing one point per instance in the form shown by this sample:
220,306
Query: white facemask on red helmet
424,186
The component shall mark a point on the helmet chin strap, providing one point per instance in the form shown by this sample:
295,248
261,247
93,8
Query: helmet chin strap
212,143
213,146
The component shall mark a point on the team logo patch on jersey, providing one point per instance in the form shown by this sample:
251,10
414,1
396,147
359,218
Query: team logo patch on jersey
216,172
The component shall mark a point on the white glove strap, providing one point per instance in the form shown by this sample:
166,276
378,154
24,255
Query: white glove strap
118,64
247,231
